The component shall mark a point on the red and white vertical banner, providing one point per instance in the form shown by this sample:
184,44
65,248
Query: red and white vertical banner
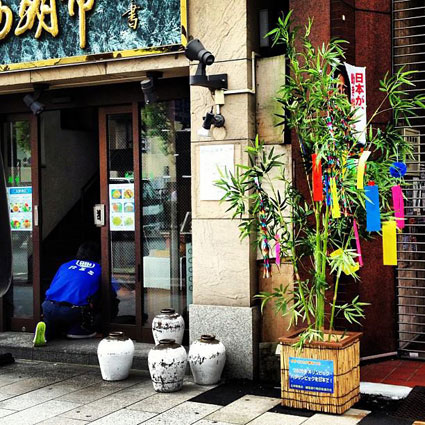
357,77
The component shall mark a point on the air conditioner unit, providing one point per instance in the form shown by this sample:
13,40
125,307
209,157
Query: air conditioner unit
414,138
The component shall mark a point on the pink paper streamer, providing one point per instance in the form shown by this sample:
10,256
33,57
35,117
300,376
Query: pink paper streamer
277,250
398,203
359,250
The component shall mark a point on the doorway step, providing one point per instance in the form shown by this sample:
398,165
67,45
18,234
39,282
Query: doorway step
19,344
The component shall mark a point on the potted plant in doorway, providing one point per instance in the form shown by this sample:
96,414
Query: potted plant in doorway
354,181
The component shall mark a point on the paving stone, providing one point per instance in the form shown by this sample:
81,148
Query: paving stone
38,413
244,409
269,418
27,385
357,413
25,401
60,420
186,413
208,422
160,402
98,391
5,412
107,405
124,417
322,419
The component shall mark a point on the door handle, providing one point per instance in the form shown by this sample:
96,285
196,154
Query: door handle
36,216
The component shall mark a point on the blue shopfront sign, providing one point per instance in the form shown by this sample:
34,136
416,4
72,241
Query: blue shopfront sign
311,375
36,33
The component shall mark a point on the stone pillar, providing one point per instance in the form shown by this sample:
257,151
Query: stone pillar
224,269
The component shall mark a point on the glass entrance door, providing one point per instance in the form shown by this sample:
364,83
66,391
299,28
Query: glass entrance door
19,147
145,188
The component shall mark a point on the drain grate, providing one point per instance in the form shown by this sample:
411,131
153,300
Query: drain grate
413,407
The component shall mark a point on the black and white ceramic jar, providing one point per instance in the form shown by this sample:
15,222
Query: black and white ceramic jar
207,358
115,354
167,366
168,325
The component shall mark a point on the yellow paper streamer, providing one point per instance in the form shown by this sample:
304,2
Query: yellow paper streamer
348,269
336,212
361,169
344,163
389,243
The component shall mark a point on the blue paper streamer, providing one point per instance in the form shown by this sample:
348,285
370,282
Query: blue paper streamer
373,213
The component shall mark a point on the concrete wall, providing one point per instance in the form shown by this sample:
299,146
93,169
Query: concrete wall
224,274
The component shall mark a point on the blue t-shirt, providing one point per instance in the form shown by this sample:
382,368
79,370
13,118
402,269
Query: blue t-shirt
75,282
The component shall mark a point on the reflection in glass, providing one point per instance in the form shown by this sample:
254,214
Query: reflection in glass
121,207
166,226
16,150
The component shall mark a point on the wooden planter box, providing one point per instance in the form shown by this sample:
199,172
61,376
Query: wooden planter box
324,376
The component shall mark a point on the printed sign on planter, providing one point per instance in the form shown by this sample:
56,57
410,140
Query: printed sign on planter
311,375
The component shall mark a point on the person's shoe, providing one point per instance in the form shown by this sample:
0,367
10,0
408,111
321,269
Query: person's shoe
77,332
39,335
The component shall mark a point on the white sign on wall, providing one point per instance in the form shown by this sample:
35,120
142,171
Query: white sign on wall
211,159
357,77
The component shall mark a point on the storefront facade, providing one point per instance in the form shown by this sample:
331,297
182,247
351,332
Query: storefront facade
97,143
166,239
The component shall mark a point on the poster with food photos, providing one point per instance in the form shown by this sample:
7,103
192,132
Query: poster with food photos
20,208
121,207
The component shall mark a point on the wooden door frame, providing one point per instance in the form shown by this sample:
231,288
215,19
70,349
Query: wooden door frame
18,323
134,331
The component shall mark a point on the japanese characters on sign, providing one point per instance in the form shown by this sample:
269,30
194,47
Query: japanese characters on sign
37,33
45,13
357,78
132,14
311,375
20,208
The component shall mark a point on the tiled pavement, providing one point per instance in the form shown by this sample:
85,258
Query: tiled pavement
395,372
62,394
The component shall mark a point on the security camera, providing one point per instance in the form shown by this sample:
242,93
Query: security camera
148,89
31,100
210,119
148,86
36,107
195,51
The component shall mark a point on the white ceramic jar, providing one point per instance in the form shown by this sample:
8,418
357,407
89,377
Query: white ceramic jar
115,354
167,366
207,358
168,325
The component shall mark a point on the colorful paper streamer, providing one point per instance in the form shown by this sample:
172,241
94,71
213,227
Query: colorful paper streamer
317,179
389,243
336,211
277,251
398,169
361,166
373,213
398,203
359,249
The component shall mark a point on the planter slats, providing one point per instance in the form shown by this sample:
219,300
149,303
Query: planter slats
345,355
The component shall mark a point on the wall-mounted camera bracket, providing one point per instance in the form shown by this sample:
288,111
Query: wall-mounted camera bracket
213,82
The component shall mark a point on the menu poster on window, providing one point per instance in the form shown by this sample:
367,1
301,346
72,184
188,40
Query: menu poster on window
20,208
121,207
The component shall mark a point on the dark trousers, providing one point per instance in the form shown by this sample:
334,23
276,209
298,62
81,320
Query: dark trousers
59,319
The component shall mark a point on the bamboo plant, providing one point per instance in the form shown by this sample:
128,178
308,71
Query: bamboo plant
268,205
